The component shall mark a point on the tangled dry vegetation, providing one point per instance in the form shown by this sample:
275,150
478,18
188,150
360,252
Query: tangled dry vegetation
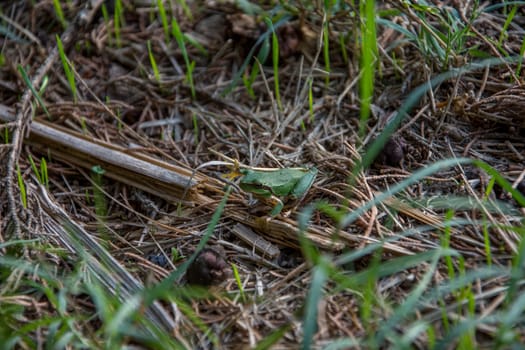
142,212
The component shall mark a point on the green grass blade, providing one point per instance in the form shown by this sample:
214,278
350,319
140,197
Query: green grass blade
248,59
273,338
238,281
33,90
179,37
35,169
368,61
117,20
59,13
21,187
164,20
326,52
315,294
43,172
66,65
387,328
275,60
153,62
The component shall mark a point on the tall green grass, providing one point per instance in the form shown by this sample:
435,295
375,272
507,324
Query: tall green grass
330,276
68,70
101,205
119,322
35,93
190,65
118,21
59,13
275,61
42,174
21,186
368,62
164,19
153,62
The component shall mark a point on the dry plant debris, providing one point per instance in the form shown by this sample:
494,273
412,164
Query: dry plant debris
149,131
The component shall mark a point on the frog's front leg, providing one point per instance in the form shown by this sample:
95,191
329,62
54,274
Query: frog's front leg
278,206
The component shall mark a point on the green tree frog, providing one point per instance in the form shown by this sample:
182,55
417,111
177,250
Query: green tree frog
278,184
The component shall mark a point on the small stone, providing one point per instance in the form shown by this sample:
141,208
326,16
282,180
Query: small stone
392,153
208,268
158,259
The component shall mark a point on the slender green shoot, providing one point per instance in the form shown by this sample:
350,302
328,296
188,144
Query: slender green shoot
239,282
21,186
315,295
83,125
35,170
445,243
262,40
503,34
311,99
101,207
164,20
366,309
98,195
275,48
33,90
431,336
275,60
175,255
273,338
196,44
342,43
486,242
326,51
368,61
520,60
153,62
262,55
105,15
484,227
310,103
68,71
60,13
44,173
186,9
179,37
43,85
118,20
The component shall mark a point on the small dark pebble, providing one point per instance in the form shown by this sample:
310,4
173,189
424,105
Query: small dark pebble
289,258
208,268
158,259
392,153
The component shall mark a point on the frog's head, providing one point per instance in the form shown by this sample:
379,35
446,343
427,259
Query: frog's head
235,172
